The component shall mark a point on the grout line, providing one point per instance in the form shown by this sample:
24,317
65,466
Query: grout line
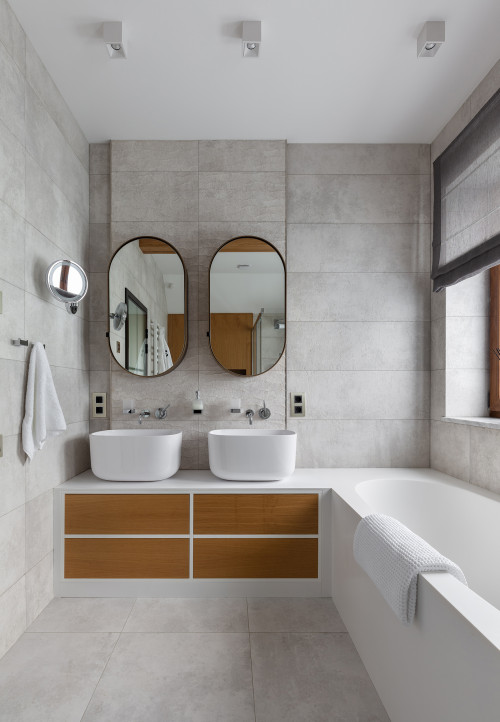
251,662
128,615
101,675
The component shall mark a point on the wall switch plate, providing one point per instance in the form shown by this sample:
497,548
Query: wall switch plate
298,404
1,446
99,405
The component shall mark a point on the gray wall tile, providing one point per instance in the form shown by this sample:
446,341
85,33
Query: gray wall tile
13,236
12,96
41,82
39,587
154,196
12,548
450,449
12,615
12,35
99,199
242,155
12,475
154,155
358,247
360,159
358,297
358,199
242,196
39,525
99,158
12,175
485,458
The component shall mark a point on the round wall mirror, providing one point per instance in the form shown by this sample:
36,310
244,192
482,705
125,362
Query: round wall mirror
147,292
247,306
68,283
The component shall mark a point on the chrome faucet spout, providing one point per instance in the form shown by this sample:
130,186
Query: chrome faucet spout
249,415
144,415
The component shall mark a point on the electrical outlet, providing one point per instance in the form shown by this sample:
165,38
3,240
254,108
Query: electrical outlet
298,404
1,446
99,405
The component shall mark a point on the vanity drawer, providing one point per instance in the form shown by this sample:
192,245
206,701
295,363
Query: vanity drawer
255,558
127,513
126,558
255,513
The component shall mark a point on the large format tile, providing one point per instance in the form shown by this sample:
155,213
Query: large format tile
162,196
51,677
12,171
99,158
358,199
12,319
12,548
12,474
12,616
13,238
293,614
242,197
450,448
357,158
176,678
242,155
311,678
12,95
386,345
74,614
48,146
358,247
40,80
12,35
39,528
154,155
39,587
188,615
358,297
363,394
99,198
13,375
347,443
485,458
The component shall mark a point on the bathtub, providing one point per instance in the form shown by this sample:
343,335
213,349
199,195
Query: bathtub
445,667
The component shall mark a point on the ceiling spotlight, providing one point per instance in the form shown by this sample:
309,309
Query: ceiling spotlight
251,38
112,34
430,39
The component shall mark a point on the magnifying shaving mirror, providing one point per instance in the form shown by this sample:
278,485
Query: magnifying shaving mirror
67,282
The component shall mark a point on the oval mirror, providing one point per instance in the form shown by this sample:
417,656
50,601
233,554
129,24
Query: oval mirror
67,281
247,306
147,293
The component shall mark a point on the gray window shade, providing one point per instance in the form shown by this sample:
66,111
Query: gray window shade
466,237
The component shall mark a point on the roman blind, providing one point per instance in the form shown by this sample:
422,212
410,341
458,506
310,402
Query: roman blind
466,231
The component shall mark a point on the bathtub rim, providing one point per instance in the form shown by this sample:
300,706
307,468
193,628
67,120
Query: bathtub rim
476,611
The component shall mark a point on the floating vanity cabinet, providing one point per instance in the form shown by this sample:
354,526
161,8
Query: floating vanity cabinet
191,536
259,555
126,557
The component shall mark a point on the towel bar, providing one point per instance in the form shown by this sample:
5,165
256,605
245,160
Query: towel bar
21,342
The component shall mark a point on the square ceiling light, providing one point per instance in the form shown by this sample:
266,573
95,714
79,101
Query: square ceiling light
430,39
251,38
112,34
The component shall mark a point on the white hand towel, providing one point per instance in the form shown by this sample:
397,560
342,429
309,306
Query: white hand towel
43,416
165,357
393,556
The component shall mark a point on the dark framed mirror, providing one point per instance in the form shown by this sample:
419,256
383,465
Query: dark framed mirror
147,307
247,292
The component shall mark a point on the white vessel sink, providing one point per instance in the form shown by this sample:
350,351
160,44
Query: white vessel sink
252,454
135,454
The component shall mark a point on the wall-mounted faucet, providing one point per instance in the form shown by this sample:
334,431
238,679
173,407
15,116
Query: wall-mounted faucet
161,413
144,415
249,415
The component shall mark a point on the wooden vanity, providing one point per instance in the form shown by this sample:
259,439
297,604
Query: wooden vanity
190,535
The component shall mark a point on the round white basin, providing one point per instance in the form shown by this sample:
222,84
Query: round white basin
135,454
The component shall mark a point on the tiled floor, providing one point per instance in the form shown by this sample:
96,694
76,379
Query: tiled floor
187,660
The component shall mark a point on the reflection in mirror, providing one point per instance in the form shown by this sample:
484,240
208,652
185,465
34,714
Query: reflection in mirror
147,286
247,306
67,281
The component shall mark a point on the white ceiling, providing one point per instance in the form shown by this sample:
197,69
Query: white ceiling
341,71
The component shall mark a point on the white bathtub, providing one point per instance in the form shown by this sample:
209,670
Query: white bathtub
445,667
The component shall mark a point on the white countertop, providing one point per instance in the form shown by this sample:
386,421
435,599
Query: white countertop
204,480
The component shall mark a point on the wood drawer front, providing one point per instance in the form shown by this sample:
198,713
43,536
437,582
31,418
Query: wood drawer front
255,558
256,514
126,558
127,514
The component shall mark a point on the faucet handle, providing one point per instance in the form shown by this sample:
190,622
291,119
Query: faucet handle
264,412
162,412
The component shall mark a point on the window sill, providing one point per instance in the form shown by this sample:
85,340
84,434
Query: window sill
484,421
